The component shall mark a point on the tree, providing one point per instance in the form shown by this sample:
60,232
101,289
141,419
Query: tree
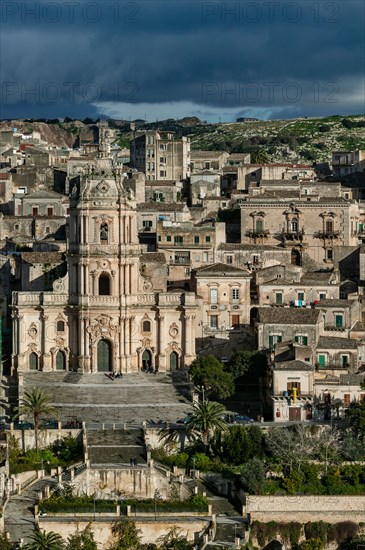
208,371
126,535
241,443
259,156
82,541
174,540
45,541
291,446
356,414
327,446
177,435
35,403
253,476
243,361
207,419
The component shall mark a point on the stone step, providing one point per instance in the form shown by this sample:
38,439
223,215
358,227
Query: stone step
117,455
133,399
115,437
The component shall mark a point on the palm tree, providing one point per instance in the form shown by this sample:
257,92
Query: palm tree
177,434
45,541
35,403
259,157
207,419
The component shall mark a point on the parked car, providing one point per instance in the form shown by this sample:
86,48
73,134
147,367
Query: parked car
184,420
23,425
49,424
242,419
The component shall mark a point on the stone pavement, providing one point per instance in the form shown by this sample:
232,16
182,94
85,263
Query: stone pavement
19,511
132,399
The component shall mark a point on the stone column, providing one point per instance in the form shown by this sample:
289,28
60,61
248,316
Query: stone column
162,341
188,334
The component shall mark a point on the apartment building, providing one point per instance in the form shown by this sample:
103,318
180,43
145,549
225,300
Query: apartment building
160,155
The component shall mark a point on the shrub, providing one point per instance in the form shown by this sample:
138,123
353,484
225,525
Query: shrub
318,530
312,544
344,531
201,462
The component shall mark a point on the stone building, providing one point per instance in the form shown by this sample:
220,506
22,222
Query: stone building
349,166
163,191
282,286
160,155
188,246
275,325
204,184
208,160
252,256
111,311
310,227
225,294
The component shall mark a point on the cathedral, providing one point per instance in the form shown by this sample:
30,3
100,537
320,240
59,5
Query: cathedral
110,311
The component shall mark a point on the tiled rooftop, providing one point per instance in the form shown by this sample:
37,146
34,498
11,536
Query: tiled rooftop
288,316
334,342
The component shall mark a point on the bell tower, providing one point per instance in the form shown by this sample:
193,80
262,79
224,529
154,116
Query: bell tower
104,271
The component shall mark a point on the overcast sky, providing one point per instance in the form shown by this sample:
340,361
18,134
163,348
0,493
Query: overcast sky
155,60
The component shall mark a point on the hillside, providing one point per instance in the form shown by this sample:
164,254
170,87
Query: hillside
295,140
55,133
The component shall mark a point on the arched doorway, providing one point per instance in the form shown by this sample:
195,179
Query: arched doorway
60,361
146,360
174,360
295,257
104,285
33,361
104,356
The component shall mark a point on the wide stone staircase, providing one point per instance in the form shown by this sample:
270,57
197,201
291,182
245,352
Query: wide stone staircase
117,447
98,401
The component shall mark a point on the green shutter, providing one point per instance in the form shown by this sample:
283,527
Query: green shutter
305,340
271,342
259,226
322,360
339,321
279,298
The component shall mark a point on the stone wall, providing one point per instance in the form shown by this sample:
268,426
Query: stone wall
134,482
331,509
151,529
45,438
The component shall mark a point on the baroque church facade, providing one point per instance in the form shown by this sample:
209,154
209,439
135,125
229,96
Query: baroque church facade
111,311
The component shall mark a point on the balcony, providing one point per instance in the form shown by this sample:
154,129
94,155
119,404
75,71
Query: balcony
181,260
292,236
257,233
331,234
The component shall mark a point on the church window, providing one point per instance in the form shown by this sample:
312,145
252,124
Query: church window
104,285
60,326
104,232
146,326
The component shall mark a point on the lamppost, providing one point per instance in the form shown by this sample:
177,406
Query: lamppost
202,388
156,496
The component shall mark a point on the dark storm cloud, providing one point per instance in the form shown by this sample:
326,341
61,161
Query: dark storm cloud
231,57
